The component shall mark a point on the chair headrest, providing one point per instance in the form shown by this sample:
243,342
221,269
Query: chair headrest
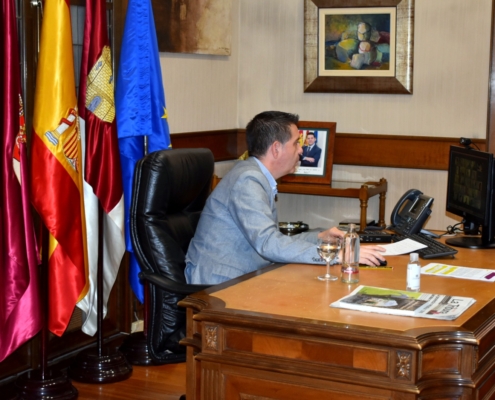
170,190
175,180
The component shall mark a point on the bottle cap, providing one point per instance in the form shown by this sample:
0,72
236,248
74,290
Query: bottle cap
413,257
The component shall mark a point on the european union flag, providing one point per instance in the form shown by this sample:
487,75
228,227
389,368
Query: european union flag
140,107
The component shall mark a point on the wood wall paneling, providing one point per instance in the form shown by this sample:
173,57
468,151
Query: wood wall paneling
392,151
226,144
395,151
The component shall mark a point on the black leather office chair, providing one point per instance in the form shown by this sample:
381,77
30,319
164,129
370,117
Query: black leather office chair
169,193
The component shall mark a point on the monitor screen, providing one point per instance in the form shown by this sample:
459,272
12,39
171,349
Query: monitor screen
470,190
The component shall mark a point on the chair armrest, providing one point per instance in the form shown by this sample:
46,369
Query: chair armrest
172,286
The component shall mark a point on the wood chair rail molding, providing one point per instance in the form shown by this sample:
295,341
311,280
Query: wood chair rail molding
393,151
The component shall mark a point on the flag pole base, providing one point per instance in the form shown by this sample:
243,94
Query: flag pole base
92,367
54,385
136,351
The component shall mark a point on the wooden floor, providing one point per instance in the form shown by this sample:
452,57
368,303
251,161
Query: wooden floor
160,382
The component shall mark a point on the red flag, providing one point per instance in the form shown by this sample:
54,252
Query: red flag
57,188
20,313
102,172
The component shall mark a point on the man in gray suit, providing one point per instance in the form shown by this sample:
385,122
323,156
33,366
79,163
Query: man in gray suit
238,229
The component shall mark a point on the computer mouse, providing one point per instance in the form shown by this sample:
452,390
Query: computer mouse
382,264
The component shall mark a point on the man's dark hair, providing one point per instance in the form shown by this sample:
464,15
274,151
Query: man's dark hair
266,128
311,133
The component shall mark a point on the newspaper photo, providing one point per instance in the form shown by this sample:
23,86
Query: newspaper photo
404,303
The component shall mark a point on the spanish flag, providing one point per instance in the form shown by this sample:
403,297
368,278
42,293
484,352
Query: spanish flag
56,169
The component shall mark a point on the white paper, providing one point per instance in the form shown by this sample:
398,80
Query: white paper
478,274
403,247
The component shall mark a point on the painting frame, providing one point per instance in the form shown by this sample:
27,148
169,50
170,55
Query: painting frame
401,83
325,136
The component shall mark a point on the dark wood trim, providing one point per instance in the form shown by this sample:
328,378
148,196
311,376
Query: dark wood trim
226,144
392,151
395,151
490,125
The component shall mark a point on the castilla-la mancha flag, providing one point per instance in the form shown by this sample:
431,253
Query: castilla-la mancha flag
102,172
20,311
56,169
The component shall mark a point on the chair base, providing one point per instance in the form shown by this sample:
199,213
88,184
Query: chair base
136,351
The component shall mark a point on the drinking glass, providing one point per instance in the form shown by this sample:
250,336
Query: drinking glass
328,248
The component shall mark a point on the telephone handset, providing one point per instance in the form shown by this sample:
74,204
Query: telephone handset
411,212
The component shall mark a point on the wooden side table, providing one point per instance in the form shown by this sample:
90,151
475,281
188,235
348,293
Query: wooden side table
357,190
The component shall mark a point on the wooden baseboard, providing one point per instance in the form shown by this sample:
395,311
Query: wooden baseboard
393,151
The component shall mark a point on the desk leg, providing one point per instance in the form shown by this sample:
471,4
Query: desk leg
192,366
381,221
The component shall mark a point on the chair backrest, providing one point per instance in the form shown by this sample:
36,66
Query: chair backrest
169,193
170,190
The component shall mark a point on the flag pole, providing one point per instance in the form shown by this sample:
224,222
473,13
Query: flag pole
45,383
135,347
100,364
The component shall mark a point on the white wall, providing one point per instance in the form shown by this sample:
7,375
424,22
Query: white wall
451,60
202,90
265,71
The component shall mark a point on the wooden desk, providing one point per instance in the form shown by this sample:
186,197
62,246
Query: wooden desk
272,335
356,190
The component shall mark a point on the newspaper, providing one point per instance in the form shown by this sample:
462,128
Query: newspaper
404,303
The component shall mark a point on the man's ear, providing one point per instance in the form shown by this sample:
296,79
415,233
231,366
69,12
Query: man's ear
276,149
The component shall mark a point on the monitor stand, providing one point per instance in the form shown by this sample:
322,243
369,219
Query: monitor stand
470,242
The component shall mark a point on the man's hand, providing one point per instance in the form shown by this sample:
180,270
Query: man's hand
335,232
371,255
310,159
368,254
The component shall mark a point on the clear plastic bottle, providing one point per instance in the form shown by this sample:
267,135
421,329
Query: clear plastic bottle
413,273
350,258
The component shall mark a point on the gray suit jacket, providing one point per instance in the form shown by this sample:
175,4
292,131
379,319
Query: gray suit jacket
238,230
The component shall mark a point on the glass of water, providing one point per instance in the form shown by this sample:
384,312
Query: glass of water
328,248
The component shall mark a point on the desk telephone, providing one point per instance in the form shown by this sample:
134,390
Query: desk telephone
411,212
408,217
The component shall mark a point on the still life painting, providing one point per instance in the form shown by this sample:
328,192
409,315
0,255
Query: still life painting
357,42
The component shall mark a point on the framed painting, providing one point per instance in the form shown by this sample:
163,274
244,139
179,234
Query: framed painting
358,46
316,161
192,26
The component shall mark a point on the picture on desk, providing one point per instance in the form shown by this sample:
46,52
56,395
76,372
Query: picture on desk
312,160
316,159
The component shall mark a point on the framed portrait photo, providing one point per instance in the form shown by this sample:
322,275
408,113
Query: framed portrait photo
359,46
317,140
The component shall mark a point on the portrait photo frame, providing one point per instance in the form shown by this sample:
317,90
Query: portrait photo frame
398,80
324,134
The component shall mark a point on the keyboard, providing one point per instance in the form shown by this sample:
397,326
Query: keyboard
435,248
375,236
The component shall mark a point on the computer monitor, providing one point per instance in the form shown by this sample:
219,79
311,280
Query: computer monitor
470,195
